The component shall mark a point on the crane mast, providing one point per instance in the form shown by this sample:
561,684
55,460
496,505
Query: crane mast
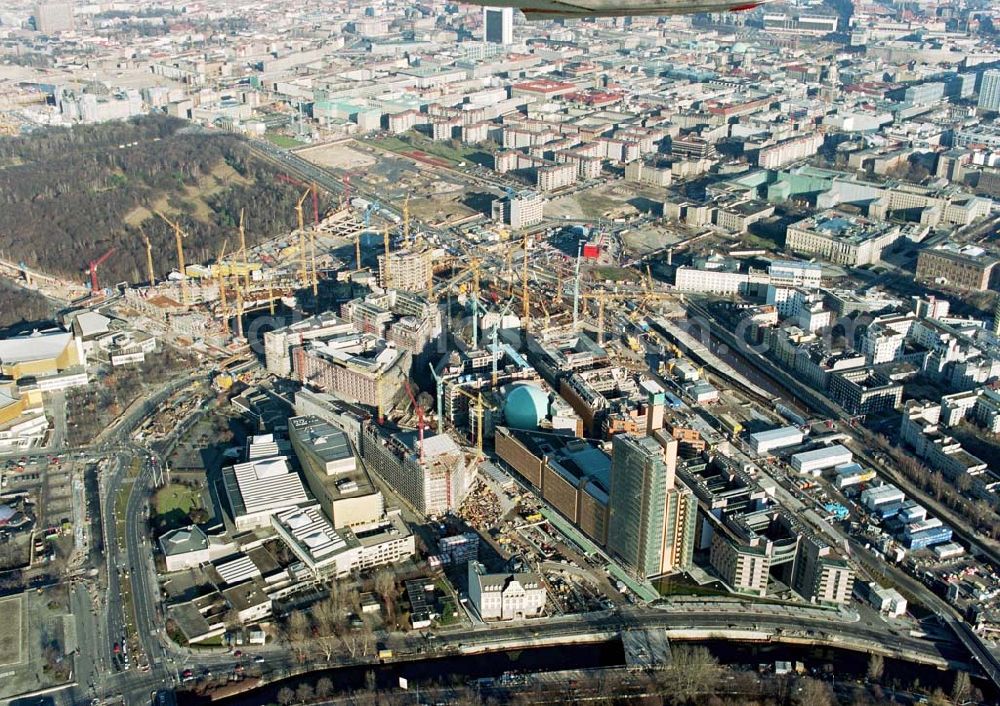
149,259
243,256
179,236
223,307
303,272
93,265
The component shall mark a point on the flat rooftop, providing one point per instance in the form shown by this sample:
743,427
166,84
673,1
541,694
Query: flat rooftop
580,458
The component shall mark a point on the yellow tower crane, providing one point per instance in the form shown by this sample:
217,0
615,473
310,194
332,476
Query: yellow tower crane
221,279
243,257
475,265
600,321
179,236
149,259
479,410
239,312
604,297
303,273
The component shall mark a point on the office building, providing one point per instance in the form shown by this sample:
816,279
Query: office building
54,17
257,489
801,24
956,266
750,549
358,368
498,25
327,552
651,522
791,150
459,549
842,239
335,477
278,344
185,548
572,475
822,574
794,273
989,92
864,391
519,210
431,482
405,319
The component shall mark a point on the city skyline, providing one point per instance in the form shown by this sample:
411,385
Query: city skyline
450,353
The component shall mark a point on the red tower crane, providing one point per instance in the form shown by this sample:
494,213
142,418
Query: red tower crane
420,419
93,265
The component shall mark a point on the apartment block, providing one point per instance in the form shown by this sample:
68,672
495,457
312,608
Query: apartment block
407,270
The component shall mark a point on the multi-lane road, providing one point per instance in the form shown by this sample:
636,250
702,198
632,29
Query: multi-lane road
133,565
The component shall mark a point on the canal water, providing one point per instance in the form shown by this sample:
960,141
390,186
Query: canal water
841,664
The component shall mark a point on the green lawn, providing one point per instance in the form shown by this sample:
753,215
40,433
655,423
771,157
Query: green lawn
283,141
416,142
176,497
615,274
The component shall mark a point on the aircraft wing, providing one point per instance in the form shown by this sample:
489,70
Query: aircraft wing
535,10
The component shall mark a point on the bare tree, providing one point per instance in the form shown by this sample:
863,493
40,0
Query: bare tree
385,586
324,687
814,692
297,630
286,696
693,671
961,687
329,645
876,667
304,693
